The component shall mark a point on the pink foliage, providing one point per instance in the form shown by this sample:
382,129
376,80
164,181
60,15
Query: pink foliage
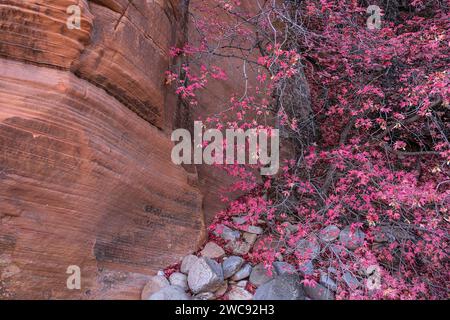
381,102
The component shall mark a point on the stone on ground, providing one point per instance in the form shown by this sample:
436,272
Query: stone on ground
242,283
250,238
155,284
327,282
307,249
352,240
231,265
306,268
205,275
222,290
187,263
283,268
259,275
318,292
351,281
170,293
227,233
239,248
204,296
179,279
284,287
329,233
237,293
212,250
254,229
243,273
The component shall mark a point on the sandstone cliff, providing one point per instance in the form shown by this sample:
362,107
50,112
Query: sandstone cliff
85,172
85,169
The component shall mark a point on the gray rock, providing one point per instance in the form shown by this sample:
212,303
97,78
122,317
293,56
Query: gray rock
212,250
329,233
255,230
336,249
259,275
332,270
204,296
205,275
222,290
327,282
179,279
306,268
161,273
231,265
242,283
307,249
155,284
239,220
351,281
318,292
250,238
284,287
243,273
239,247
227,233
187,263
283,268
352,240
170,293
237,293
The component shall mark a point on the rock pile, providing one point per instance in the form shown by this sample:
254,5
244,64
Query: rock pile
212,274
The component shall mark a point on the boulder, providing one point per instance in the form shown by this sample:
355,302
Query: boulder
259,275
352,240
155,284
318,292
306,268
170,293
254,230
351,281
227,233
240,248
283,268
243,273
284,287
327,282
238,293
329,234
239,220
307,249
187,263
222,290
179,279
212,250
231,265
204,296
250,238
205,275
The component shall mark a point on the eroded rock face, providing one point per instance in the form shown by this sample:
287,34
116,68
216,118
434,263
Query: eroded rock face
86,176
129,54
35,31
85,181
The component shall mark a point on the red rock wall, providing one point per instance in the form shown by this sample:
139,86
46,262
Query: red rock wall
85,174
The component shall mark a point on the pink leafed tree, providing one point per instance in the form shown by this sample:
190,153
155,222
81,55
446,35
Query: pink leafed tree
366,112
